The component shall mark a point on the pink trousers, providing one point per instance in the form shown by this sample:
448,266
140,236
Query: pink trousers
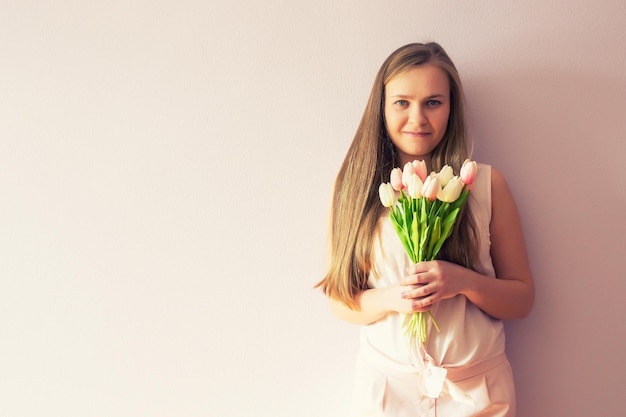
488,386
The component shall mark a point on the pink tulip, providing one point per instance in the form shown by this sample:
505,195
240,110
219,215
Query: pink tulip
420,169
406,173
396,179
431,187
469,170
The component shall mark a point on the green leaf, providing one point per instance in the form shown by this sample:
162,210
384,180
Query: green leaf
434,208
423,242
414,237
407,213
448,225
434,238
441,208
401,232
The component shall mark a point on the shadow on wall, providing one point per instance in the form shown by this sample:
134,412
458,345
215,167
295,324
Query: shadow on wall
560,139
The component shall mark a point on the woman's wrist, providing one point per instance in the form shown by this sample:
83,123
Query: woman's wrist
467,281
377,301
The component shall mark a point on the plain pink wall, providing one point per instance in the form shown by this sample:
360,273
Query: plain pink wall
558,139
165,173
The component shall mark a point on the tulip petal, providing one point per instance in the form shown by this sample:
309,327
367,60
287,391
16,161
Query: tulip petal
451,191
415,186
420,169
469,170
387,194
407,171
431,187
445,175
396,179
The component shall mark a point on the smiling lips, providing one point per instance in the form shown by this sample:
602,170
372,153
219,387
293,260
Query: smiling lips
418,134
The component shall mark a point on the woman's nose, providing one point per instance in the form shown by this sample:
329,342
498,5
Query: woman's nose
417,116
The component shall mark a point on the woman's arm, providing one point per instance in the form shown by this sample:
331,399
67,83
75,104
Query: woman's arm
512,295
370,309
508,297
374,304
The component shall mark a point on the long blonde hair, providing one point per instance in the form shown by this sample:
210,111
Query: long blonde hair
355,204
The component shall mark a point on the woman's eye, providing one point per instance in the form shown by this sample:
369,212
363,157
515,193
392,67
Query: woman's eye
433,103
401,103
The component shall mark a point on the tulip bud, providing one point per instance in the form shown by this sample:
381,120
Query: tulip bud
445,175
387,194
415,186
406,173
451,192
431,187
396,179
469,170
420,169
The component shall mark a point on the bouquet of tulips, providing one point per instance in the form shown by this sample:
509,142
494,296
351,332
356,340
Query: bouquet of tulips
423,209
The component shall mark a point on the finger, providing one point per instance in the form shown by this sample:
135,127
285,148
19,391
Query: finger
415,279
419,291
417,268
422,304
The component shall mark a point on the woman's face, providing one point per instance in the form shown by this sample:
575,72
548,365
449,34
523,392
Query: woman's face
417,107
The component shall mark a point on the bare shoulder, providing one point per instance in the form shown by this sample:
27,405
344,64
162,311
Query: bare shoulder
501,197
505,221
498,182
507,240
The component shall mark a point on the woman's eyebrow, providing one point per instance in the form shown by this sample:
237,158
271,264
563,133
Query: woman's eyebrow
437,95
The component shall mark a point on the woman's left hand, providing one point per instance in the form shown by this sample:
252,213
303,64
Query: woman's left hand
436,281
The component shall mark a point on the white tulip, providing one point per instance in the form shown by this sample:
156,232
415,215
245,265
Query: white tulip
415,186
445,175
451,192
387,194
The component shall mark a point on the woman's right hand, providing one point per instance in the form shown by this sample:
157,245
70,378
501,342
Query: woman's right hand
375,303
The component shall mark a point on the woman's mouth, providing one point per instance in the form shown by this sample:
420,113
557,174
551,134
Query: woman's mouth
417,134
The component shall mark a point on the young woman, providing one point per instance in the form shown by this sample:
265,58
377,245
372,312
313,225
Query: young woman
482,275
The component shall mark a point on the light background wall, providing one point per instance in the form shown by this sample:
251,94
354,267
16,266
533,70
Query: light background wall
165,173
